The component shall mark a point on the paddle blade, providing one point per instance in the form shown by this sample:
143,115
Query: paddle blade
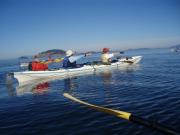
58,60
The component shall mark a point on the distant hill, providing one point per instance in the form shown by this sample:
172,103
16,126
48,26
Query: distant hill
175,46
24,57
51,52
141,49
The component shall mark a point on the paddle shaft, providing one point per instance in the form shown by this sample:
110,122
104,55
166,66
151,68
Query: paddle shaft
154,125
127,116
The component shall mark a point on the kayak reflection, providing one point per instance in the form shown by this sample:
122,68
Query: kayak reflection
36,88
9,85
108,73
41,88
106,76
71,83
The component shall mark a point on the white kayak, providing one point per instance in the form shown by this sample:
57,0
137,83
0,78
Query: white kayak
25,77
134,60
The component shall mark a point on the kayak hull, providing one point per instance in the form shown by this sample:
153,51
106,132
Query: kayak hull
134,60
27,76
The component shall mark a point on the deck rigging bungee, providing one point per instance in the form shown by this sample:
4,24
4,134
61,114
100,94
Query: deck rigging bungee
128,116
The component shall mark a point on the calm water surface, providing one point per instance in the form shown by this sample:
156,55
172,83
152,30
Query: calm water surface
150,89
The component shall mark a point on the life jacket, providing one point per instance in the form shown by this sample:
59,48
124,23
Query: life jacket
68,64
105,58
37,66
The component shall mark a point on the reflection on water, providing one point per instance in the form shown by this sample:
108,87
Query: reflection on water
150,91
35,88
106,76
43,85
9,84
70,84
130,68
41,88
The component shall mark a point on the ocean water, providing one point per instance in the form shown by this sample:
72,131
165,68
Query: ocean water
150,89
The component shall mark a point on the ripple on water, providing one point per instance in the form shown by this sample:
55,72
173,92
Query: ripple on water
150,90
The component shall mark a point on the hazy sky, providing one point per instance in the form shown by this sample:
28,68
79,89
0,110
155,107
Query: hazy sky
31,26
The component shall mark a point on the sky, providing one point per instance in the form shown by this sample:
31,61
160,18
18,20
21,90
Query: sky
28,27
